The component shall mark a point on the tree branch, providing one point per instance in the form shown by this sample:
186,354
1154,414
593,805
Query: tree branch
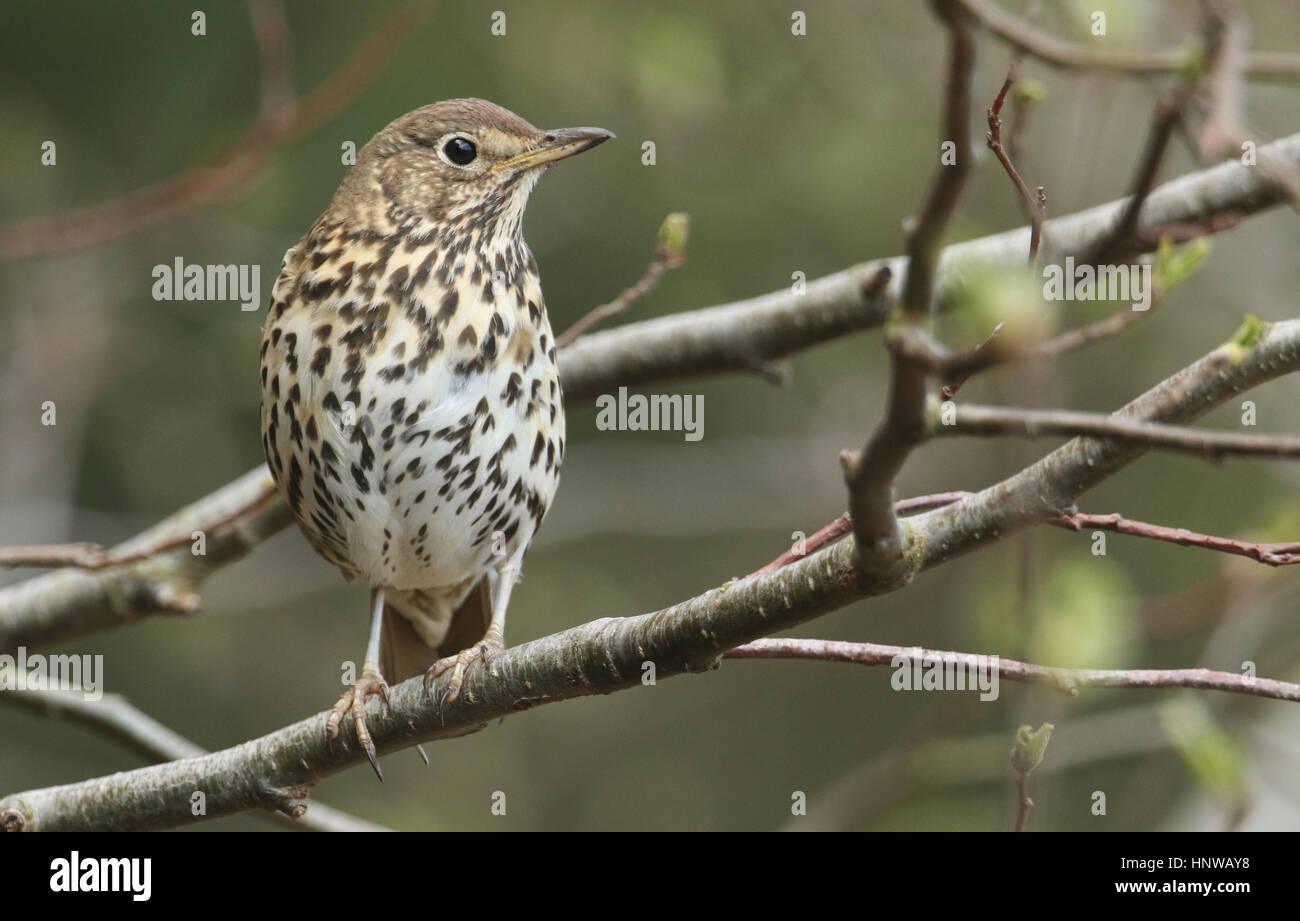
728,338
609,654
1047,489
869,474
1050,49
113,716
743,335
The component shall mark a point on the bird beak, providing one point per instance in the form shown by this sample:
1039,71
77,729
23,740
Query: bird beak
556,145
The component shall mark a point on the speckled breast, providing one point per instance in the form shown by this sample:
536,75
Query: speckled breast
411,405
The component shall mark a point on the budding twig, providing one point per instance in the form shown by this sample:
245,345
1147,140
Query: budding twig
1035,205
669,253
92,557
1027,754
958,367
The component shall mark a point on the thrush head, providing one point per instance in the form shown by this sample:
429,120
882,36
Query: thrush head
454,158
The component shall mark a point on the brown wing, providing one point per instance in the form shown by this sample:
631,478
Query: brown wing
402,654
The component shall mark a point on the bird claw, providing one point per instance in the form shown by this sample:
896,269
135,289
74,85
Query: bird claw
354,700
484,651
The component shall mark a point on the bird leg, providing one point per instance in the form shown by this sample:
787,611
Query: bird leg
486,649
369,682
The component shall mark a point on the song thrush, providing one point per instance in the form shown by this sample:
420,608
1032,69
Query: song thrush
411,409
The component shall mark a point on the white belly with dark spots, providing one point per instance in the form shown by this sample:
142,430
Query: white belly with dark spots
418,434
444,475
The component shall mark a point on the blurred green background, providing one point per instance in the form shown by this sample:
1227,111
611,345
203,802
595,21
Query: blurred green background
791,154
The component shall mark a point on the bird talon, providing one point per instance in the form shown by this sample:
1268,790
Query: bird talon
483,652
446,698
353,701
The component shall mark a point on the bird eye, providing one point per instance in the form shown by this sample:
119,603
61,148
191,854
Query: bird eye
460,151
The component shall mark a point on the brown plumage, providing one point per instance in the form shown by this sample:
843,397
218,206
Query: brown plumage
411,408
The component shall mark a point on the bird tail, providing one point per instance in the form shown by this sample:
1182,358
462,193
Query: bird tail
404,653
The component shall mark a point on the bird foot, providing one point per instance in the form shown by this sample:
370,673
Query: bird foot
485,650
354,701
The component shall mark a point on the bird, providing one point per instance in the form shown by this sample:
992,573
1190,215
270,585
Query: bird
412,414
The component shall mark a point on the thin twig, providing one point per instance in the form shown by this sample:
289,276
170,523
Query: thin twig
843,525
83,556
1166,120
276,101
950,178
1066,680
811,544
1225,88
55,606
92,557
1222,132
1271,554
1035,205
1026,803
958,367
1120,240
1049,48
1021,100
978,358
1068,341
972,419
1285,553
228,171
